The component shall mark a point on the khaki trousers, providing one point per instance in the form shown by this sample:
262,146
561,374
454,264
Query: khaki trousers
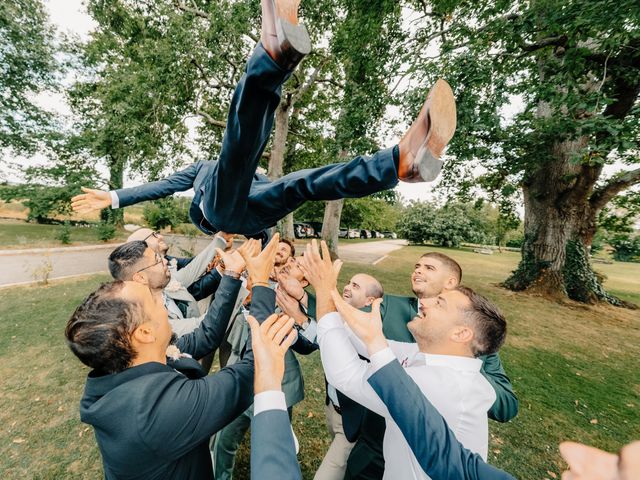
334,464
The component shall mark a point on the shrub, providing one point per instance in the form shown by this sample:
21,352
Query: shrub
64,234
625,248
106,231
166,212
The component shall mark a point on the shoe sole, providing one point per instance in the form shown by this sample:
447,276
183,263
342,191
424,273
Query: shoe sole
293,39
441,112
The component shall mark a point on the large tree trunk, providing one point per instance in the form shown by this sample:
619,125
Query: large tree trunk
276,161
331,221
331,225
559,226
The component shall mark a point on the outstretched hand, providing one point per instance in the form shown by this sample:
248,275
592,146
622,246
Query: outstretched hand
366,325
270,342
319,271
260,263
90,200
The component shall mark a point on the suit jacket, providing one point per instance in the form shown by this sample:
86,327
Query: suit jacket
292,382
433,443
152,422
183,278
203,287
273,453
197,176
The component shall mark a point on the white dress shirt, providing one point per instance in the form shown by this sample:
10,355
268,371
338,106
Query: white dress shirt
453,384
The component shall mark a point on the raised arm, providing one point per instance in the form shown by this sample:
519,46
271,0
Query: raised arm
433,443
506,405
209,335
198,265
92,199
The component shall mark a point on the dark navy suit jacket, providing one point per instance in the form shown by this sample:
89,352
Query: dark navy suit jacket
435,446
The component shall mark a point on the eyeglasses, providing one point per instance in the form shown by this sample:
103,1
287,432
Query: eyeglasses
152,234
159,259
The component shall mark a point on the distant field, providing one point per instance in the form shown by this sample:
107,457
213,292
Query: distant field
573,367
16,234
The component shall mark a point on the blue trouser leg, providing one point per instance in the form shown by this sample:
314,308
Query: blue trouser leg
249,125
271,201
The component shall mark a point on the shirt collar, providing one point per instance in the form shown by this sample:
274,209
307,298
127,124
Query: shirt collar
451,361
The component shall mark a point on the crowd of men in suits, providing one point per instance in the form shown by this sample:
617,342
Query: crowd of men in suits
411,382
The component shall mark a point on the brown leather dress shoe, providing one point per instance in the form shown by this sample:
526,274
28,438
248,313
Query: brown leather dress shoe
422,145
284,39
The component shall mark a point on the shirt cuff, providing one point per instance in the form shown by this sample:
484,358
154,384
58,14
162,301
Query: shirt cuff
269,400
380,359
115,201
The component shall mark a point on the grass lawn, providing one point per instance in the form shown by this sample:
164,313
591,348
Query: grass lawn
574,369
18,235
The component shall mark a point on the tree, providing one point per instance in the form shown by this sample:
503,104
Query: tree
27,46
448,226
364,45
575,67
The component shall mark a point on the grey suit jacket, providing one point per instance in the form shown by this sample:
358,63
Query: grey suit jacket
273,453
292,382
181,280
435,446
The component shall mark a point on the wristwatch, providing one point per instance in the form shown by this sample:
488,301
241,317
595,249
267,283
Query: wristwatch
304,325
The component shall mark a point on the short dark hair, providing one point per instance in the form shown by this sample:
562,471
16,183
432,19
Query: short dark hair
124,258
448,262
487,321
291,246
99,331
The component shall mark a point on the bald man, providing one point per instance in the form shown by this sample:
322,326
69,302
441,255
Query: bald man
199,285
359,292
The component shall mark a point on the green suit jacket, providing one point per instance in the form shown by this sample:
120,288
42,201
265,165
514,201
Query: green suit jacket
366,460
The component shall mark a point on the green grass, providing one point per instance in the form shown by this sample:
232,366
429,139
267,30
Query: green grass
17,234
569,364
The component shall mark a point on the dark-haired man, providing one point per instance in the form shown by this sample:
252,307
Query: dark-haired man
150,421
433,273
190,272
452,329
135,261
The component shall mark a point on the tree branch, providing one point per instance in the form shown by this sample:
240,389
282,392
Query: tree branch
558,41
605,194
195,11
210,120
219,123
304,88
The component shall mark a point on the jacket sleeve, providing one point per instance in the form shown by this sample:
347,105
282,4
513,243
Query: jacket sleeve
209,335
198,264
435,446
303,346
273,452
178,182
206,285
506,405
213,401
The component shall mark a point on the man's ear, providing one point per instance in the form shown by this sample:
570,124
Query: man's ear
462,334
370,301
583,459
304,282
450,284
144,333
140,277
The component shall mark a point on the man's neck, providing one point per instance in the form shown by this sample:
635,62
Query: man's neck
147,357
451,349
